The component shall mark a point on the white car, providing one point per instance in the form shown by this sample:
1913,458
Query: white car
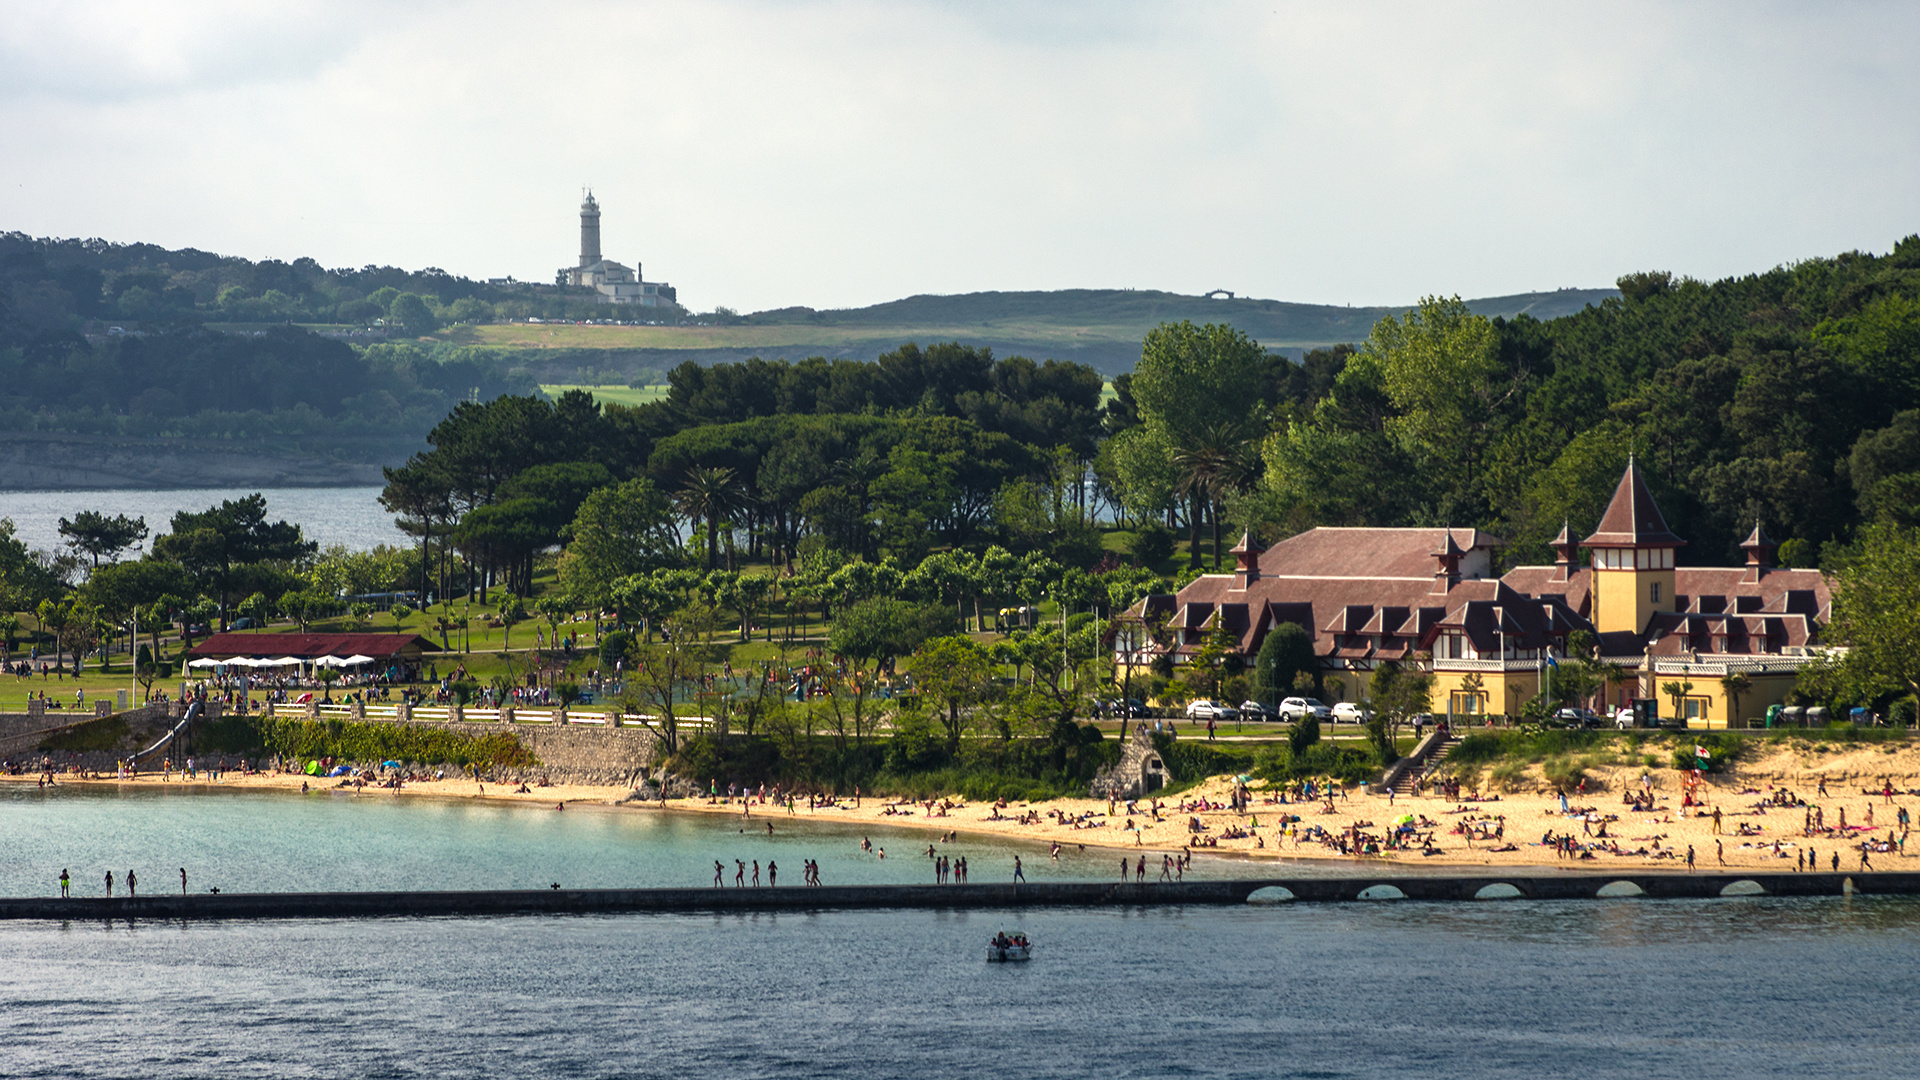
1351,712
1204,709
1299,708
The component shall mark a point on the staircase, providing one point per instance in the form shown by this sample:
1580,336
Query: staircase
1399,777
1405,784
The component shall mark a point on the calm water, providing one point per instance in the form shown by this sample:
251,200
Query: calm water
336,515
1632,988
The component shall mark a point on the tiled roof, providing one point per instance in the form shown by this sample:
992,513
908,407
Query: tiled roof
1366,553
1632,519
310,646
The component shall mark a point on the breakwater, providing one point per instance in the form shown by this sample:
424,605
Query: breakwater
563,901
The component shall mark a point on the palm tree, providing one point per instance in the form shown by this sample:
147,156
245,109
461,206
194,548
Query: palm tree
1735,684
1222,460
709,493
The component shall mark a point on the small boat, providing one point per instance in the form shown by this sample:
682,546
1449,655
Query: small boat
1009,947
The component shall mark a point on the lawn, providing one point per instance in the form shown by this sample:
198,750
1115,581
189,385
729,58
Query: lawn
611,395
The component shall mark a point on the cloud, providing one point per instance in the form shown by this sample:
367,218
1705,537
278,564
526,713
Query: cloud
842,152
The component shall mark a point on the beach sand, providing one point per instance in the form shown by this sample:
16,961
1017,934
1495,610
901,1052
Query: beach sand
1527,817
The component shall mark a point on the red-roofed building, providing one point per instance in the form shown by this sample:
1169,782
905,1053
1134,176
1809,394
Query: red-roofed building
1429,596
388,649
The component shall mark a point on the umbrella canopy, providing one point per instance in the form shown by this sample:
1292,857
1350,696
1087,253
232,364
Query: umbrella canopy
203,663
285,661
357,659
330,661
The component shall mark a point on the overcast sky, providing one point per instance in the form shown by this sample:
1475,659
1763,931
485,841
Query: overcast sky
763,154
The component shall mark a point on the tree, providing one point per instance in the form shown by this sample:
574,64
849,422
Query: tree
215,544
870,634
1876,607
709,493
1735,684
617,532
956,672
95,534
1192,384
413,314
512,610
1678,691
1285,653
1397,693
399,613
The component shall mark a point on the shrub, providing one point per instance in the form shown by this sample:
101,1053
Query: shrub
94,736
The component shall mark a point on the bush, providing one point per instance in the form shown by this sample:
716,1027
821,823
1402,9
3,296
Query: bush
94,736
1151,545
1305,733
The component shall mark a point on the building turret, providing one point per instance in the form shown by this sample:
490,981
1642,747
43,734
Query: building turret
1633,553
1759,549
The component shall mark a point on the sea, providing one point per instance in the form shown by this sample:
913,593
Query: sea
1747,987
350,516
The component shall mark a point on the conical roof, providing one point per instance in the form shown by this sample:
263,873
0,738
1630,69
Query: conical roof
1247,545
1632,520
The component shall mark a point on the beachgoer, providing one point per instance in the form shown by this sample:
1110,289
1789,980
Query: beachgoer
131,883
1019,874
773,873
1836,862
717,871
66,884
109,883
1689,858
183,881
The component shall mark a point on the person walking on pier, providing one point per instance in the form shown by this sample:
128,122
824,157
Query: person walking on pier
109,883
773,873
130,885
1689,858
183,881
717,871
66,885
1019,874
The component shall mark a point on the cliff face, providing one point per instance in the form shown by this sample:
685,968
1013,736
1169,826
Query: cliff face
33,461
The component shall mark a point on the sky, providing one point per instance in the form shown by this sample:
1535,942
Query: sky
761,154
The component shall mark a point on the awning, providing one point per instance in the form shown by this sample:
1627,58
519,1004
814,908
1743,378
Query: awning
203,663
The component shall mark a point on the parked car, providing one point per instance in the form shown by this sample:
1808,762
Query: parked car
1299,708
1575,718
1351,712
244,623
1123,709
1258,710
1205,709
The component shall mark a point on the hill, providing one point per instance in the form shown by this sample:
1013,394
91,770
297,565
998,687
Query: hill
1099,327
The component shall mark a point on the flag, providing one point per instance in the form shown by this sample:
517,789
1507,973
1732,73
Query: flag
1552,663
1702,752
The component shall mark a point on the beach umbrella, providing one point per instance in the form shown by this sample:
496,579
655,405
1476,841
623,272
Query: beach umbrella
356,660
285,661
203,663
330,661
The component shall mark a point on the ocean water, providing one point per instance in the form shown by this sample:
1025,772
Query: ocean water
1753,987
331,515
1749,988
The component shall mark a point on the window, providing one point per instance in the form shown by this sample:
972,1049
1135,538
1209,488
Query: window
1694,708
1467,703
1654,589
1451,647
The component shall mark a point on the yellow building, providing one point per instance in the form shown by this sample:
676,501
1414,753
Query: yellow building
1708,644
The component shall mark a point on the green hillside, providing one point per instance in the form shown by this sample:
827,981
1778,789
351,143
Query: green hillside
1100,327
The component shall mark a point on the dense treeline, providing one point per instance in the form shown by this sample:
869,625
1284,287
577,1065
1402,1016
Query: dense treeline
50,286
1786,397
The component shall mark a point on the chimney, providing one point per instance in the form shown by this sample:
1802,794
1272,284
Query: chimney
1759,551
1246,561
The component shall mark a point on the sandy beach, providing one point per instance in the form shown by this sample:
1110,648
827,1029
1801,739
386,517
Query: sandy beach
1752,830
